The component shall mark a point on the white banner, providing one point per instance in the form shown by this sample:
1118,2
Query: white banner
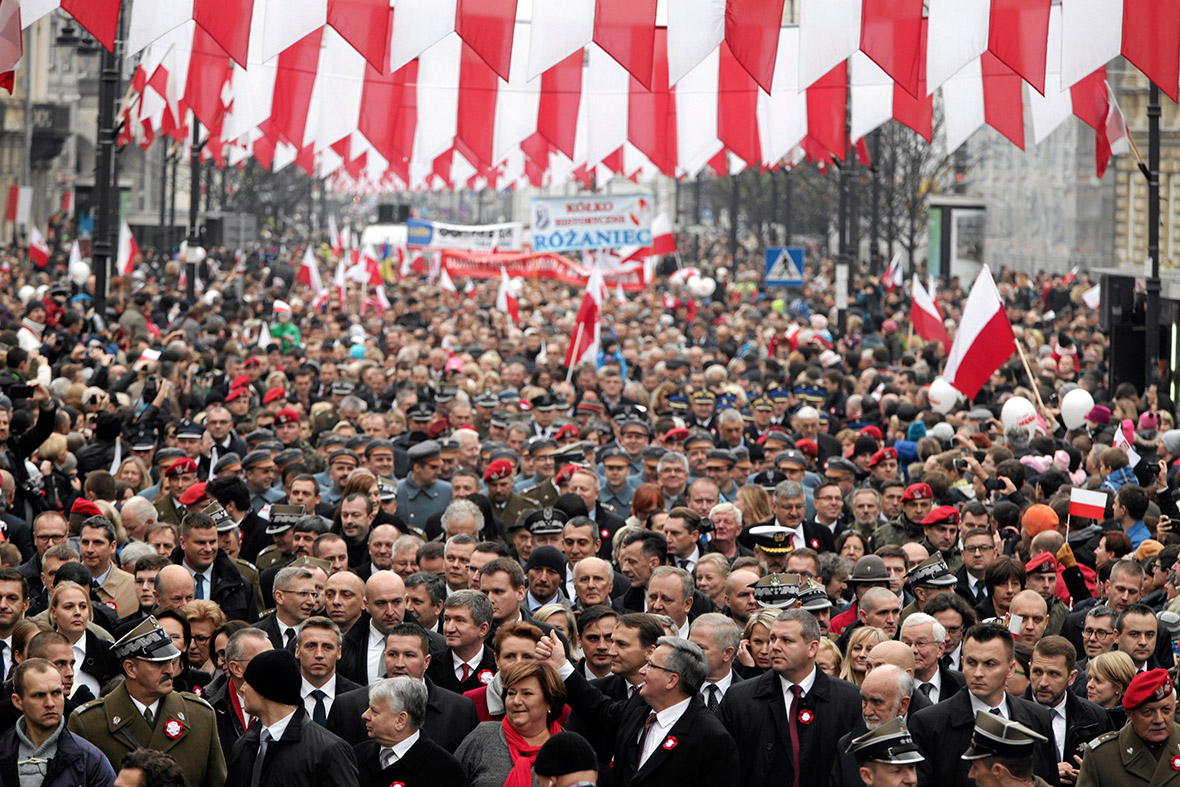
593,222
484,238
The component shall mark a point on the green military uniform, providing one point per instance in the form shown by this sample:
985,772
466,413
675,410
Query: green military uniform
184,725
270,557
899,530
167,511
510,510
1057,614
952,557
1122,758
311,457
249,573
545,493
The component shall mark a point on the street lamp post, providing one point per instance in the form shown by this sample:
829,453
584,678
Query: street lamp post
1152,314
106,193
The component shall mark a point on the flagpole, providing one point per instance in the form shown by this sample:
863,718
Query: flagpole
569,373
1032,381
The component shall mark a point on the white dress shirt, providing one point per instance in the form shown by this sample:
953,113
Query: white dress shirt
473,663
375,667
956,657
683,633
665,720
936,692
722,687
80,677
329,690
208,575
277,729
805,684
391,754
6,657
154,707
978,705
1059,726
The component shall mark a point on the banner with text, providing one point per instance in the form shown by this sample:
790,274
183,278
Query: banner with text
538,265
422,234
595,222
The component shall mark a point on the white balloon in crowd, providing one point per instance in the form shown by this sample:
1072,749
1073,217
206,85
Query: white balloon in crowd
1074,407
1019,412
942,395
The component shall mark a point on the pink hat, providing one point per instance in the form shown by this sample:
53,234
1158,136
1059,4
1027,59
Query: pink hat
1149,420
1099,414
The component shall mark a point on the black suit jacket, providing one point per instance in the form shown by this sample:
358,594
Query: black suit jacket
608,524
442,672
426,764
100,662
845,771
697,750
943,733
229,727
306,755
952,681
232,593
964,587
815,532
353,663
1084,721
755,713
270,624
614,687
449,717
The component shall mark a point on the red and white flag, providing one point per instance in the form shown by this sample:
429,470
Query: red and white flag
662,241
128,249
1093,296
584,346
382,298
505,300
338,281
38,248
619,296
446,282
984,340
1087,503
926,316
309,274
893,274
1121,441
334,235
1069,277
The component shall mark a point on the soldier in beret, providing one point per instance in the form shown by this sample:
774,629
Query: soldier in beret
507,504
179,475
1146,751
941,528
144,712
916,502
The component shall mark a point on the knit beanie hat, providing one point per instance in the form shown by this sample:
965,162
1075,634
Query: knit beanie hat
275,675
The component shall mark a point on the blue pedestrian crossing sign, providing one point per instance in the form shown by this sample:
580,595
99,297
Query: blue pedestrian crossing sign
784,266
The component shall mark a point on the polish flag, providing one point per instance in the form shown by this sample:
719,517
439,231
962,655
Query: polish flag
128,249
1111,138
38,248
584,347
1122,441
893,275
334,235
309,274
662,241
445,281
339,279
505,300
1093,296
619,296
926,316
984,340
382,298
1069,277
1087,504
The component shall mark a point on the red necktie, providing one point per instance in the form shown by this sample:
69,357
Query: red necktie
793,724
466,672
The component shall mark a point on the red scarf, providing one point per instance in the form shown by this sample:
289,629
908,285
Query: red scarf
523,755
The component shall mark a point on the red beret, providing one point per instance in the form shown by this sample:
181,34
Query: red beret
237,393
881,455
677,434
274,394
809,447
252,362
85,508
873,432
1150,686
943,515
193,494
287,416
917,492
777,432
498,470
567,431
565,473
182,465
1043,563
241,381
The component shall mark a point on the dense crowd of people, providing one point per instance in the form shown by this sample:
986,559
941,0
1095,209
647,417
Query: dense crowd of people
249,540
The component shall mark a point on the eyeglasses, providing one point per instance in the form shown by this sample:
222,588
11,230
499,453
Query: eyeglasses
47,537
304,593
200,639
653,665
1097,633
978,548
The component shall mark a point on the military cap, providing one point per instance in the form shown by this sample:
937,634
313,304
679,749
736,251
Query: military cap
919,491
568,430
167,454
698,436
259,436
545,403
193,494
148,642
498,470
386,490
499,420
1150,686
677,403
283,517
509,395
813,597
546,521
287,416
792,455
532,447
230,462
995,736
869,569
572,454
189,428
288,456
181,466
942,515
740,454
342,388
445,394
219,516
890,743
307,561
424,451
777,591
237,393
142,440
839,463
636,423
768,479
421,413
772,539
653,451
273,395
378,445
255,458
721,455
932,572
344,455
775,434
779,395
762,403
615,454
588,406
703,397
1044,563
486,400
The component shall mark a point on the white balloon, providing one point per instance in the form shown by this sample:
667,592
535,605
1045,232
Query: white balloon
943,396
26,293
1019,412
704,287
1074,407
79,273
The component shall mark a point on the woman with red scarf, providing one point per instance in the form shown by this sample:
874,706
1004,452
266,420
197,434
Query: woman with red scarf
502,753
